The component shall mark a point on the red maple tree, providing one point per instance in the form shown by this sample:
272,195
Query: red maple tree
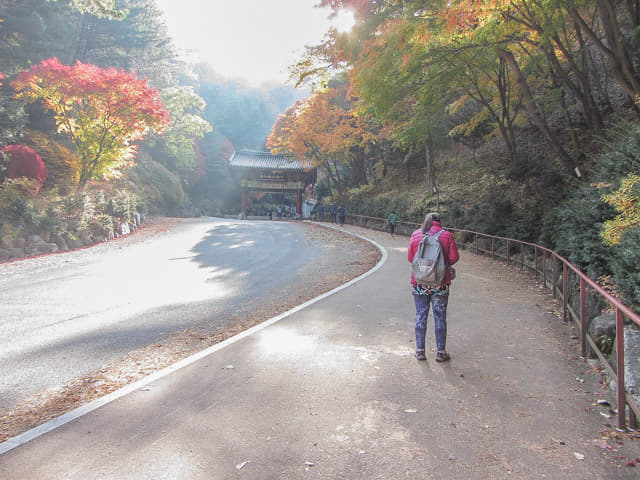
104,111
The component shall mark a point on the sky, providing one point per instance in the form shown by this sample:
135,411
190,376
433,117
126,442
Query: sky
254,40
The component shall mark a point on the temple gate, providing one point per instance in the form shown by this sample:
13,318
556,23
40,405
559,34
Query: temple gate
265,172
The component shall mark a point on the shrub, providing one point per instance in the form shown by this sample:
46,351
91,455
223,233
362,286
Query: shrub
159,189
577,223
625,264
16,201
24,162
575,230
101,226
63,167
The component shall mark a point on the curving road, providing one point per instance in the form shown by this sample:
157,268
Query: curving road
65,315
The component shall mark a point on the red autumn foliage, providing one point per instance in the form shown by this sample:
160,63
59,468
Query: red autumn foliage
25,162
104,111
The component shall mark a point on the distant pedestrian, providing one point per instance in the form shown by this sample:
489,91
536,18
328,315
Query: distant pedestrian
392,219
279,211
321,213
438,297
271,214
333,210
342,214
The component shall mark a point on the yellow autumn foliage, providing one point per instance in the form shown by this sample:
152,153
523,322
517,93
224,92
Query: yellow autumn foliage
627,201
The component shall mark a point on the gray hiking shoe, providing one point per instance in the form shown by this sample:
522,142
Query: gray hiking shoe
442,356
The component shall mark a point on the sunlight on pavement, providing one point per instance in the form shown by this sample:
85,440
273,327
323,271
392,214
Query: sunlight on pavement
109,290
286,341
246,243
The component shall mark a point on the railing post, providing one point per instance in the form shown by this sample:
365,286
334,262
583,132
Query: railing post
555,277
493,247
508,252
583,317
622,401
544,268
565,291
476,243
521,256
535,261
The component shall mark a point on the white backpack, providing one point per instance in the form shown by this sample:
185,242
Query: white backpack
429,267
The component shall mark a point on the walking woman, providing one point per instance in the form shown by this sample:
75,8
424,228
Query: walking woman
436,297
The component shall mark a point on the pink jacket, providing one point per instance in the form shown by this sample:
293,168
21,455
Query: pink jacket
447,241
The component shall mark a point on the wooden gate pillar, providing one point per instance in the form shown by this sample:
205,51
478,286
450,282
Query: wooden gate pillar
299,203
244,200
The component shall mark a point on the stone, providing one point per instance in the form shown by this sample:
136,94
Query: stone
124,229
85,238
74,243
34,239
40,248
602,330
31,250
631,360
48,247
17,253
60,242
5,255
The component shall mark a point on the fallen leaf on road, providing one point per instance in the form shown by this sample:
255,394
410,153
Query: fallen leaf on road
600,442
240,466
579,456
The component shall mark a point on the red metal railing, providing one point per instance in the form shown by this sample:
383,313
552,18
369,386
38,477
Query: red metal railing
545,264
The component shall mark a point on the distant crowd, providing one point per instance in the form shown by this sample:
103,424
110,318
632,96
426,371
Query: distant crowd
337,213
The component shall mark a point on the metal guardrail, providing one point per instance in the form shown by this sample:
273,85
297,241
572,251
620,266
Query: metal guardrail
554,271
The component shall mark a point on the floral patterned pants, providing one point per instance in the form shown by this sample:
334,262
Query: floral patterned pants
439,303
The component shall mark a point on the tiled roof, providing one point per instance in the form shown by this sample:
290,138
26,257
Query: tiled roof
248,159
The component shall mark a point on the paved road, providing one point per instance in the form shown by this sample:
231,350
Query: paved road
66,315
332,391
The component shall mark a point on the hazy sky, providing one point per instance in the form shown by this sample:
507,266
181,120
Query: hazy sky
251,39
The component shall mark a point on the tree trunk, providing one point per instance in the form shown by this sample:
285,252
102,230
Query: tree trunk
429,160
79,45
615,49
532,109
581,87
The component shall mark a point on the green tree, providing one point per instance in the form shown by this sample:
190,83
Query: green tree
185,129
136,41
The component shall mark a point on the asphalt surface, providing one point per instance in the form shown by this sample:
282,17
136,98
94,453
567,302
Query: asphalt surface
63,316
332,391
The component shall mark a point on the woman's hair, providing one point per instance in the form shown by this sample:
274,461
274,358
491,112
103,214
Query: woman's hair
428,221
